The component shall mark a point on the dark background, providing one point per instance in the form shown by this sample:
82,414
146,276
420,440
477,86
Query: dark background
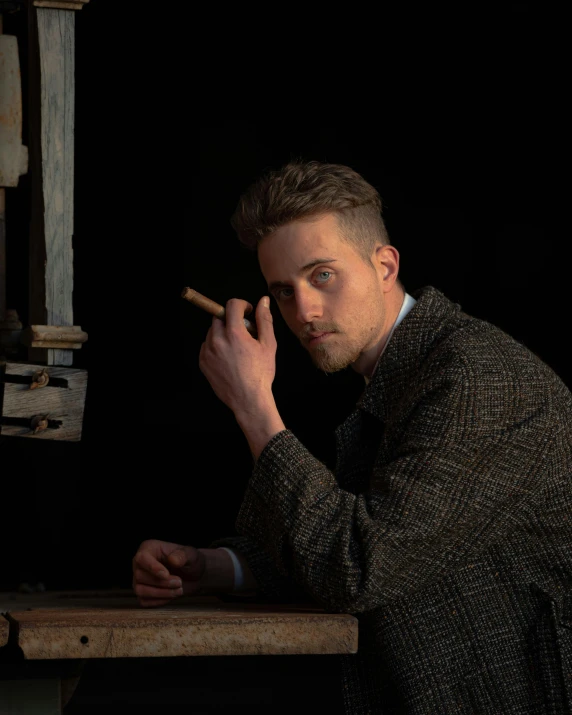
453,114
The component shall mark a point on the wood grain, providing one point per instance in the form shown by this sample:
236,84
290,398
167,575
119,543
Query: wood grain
116,627
52,82
65,404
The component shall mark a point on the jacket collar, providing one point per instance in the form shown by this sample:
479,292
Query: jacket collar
430,318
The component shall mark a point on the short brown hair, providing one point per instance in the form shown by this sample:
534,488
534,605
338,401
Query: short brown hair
305,189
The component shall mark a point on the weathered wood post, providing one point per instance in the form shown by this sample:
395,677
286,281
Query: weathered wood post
45,398
51,42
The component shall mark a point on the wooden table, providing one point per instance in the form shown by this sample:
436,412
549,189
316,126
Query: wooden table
44,638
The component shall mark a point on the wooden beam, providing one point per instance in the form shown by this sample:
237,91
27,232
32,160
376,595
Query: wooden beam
52,100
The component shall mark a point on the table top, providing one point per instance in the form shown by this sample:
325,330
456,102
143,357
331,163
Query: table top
111,624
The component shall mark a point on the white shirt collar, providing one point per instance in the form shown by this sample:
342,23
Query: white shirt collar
408,303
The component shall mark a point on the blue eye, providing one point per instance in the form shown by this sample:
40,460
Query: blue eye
323,276
283,293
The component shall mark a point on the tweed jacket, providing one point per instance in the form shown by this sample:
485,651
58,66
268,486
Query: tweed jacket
446,527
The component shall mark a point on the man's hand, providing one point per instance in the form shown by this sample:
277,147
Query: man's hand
241,370
163,571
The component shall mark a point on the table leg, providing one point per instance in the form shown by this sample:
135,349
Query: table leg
31,697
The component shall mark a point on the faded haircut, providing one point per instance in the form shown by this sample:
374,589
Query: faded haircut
304,190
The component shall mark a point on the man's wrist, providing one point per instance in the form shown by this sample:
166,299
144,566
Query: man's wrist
260,425
218,575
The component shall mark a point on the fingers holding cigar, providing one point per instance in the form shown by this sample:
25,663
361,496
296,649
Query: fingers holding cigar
208,305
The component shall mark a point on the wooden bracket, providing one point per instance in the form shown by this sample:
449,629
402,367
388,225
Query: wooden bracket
61,337
53,412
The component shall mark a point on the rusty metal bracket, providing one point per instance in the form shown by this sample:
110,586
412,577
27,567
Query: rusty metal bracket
30,426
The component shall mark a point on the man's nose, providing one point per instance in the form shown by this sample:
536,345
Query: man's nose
308,306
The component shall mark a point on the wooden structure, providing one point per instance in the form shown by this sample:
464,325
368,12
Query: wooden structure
60,628
50,336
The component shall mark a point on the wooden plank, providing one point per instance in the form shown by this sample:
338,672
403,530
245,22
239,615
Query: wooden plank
62,399
119,628
13,155
52,154
54,336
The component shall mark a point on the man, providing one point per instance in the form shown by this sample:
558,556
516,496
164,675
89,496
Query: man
446,527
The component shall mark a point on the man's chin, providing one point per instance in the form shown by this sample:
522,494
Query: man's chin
329,362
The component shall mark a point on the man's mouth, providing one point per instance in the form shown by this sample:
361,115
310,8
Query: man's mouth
317,338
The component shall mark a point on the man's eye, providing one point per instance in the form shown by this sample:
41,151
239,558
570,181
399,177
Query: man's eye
323,276
283,293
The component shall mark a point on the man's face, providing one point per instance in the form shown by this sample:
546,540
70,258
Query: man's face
329,295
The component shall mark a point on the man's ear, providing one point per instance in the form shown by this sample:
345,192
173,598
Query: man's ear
386,262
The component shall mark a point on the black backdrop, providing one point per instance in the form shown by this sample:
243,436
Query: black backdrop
456,125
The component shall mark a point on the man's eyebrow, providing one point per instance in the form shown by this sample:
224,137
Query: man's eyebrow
316,262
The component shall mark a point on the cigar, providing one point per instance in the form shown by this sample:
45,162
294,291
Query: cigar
201,301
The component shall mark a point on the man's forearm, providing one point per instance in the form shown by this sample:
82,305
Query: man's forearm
260,424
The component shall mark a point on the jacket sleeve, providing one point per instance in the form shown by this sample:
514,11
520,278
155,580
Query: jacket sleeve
461,468
272,584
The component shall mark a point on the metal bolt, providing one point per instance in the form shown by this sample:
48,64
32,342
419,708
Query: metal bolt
40,379
39,423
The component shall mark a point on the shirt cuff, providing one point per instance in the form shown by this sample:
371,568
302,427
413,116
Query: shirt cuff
238,573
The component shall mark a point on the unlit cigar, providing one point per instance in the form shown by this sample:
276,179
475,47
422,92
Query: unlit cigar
201,301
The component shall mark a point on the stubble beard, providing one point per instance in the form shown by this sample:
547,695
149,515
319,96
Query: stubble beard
331,360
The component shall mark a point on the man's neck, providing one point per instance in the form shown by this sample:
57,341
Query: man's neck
365,364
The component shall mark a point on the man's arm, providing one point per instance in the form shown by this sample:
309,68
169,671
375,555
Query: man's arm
456,475
441,491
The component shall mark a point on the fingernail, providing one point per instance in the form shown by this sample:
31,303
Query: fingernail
162,574
175,582
266,302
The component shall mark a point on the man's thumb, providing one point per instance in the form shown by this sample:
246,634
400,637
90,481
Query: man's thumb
179,557
188,559
264,318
